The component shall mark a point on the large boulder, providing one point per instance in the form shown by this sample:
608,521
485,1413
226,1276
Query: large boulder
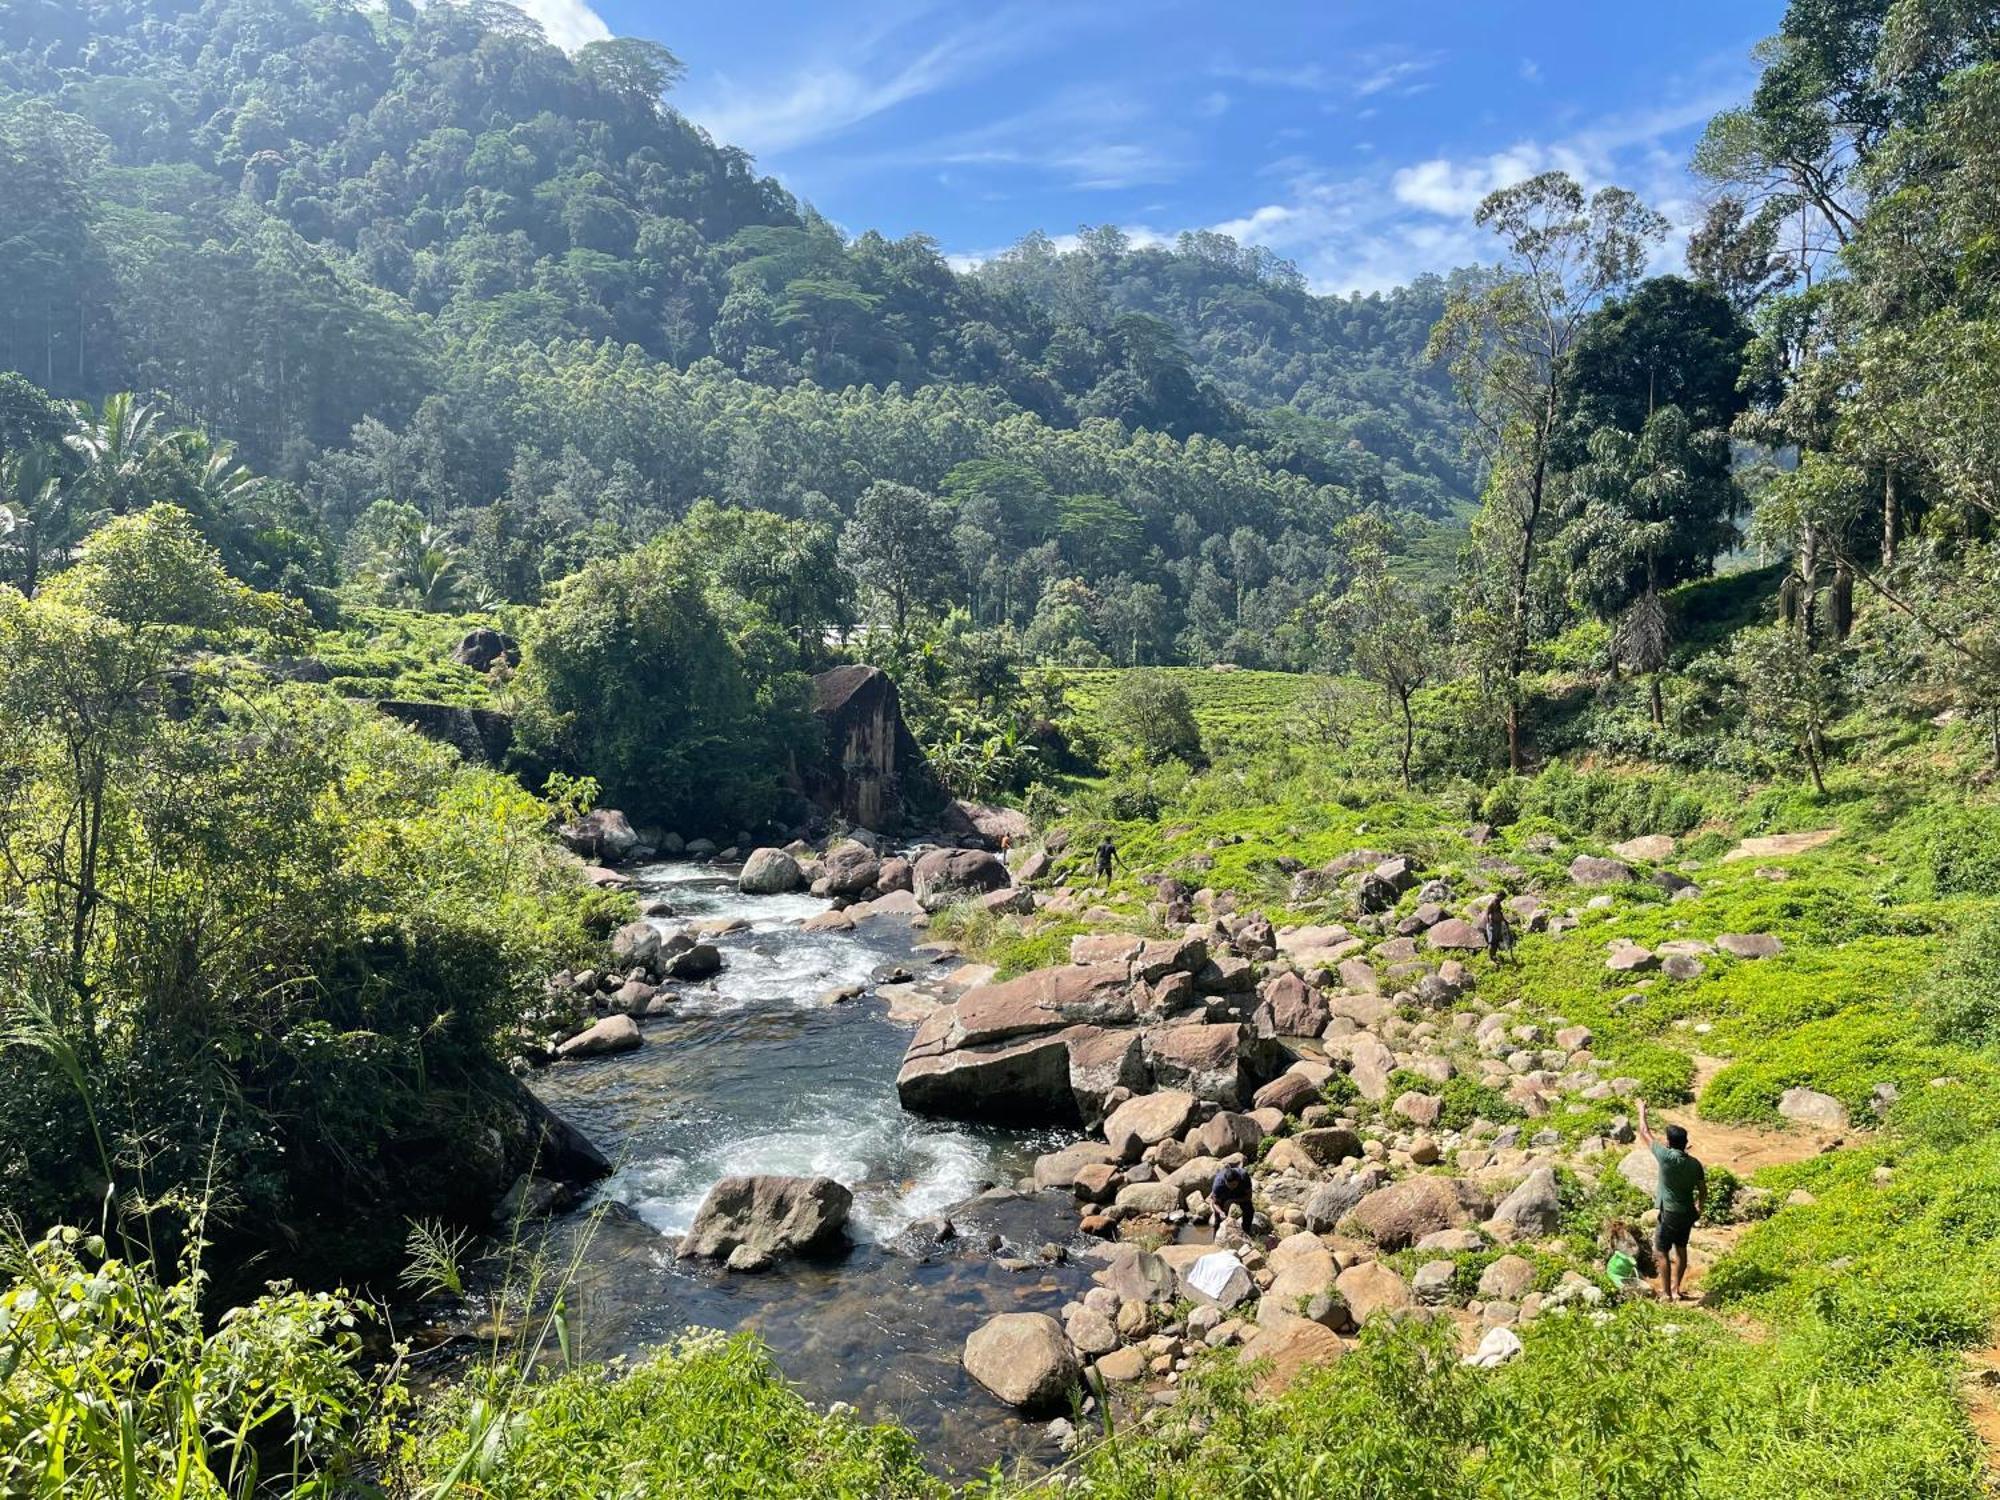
770,872
849,868
1290,1007
1810,1107
870,757
749,1222
1372,1290
1533,1209
1284,1349
605,836
943,876
1024,1360
1043,1000
1021,1082
636,945
1148,1120
1206,1060
1397,1216
1101,1062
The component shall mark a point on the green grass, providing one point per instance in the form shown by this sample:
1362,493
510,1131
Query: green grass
708,1416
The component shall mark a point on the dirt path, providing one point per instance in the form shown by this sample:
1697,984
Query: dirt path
1981,1392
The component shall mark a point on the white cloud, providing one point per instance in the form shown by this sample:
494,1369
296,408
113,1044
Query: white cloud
1531,71
1212,104
1090,139
570,24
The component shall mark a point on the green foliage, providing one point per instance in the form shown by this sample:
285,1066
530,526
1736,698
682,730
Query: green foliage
1153,717
681,699
707,1415
112,1386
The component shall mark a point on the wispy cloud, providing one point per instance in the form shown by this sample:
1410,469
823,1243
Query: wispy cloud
1092,139
868,74
1374,70
1378,228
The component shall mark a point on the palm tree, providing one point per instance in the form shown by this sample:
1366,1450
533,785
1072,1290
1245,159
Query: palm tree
36,501
221,481
116,445
427,565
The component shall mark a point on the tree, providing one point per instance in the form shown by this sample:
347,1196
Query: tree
1792,693
1390,635
1509,347
631,674
899,546
1154,715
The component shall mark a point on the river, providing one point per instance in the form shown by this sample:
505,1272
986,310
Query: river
755,1074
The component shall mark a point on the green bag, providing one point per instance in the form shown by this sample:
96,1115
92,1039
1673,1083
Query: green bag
1622,1270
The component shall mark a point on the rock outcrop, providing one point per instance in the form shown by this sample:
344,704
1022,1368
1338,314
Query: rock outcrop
871,764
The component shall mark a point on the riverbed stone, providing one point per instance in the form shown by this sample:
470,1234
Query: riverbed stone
770,872
751,1221
1533,1209
613,1034
1147,1120
1204,1059
1043,1000
942,876
1289,1007
1024,1360
1397,1216
1285,1349
1372,1290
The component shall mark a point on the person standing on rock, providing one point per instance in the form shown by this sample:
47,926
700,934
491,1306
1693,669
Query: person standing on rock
1231,1189
1107,857
1495,929
1681,1196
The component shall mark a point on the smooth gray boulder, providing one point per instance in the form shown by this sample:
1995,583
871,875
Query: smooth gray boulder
1024,1360
770,872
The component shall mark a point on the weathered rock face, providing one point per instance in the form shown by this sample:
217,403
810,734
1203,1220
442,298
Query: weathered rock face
481,736
770,872
871,761
946,875
1147,1120
1533,1209
849,868
1291,1007
749,1222
1288,1348
1024,1360
602,835
1022,1082
1043,1000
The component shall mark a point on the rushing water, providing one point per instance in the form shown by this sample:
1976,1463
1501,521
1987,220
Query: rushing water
753,1073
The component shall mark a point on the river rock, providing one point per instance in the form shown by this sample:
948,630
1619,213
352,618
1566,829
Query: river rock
1288,1093
896,874
849,868
751,1221
770,872
1043,1000
1206,1060
1456,934
1285,1349
1147,1120
1023,1082
1335,1200
604,835
1510,1278
1137,1275
1397,1216
1226,1133
1533,1209
698,962
611,1035
1217,1279
1024,1360
1371,1290
1058,1169
943,876
1290,1007
636,945
1090,1332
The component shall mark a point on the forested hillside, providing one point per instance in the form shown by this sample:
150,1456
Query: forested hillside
1336,381
422,256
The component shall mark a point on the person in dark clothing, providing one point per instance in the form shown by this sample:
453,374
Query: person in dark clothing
1107,856
1681,1195
1231,1189
1496,930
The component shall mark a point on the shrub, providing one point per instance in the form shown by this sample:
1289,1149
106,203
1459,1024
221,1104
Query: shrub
1962,1003
1153,714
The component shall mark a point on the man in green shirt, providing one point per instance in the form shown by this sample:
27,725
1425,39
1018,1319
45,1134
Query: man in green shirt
1681,1195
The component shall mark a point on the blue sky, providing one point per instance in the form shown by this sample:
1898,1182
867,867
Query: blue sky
1352,136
